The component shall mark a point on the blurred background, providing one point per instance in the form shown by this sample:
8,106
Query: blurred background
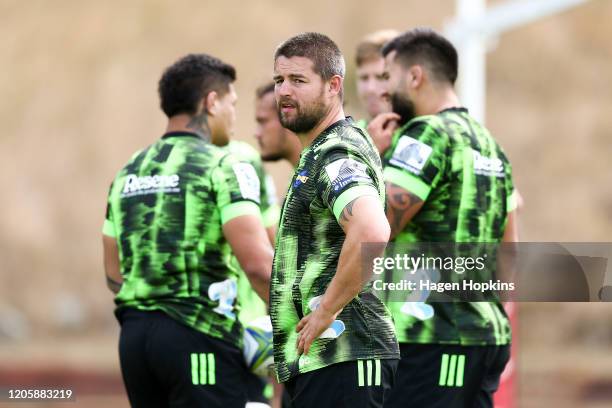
79,96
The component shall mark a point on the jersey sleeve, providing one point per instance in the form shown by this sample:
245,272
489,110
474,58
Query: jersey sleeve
416,160
345,175
108,227
237,188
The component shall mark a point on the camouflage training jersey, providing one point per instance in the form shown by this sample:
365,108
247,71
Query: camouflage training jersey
339,166
251,305
166,209
464,178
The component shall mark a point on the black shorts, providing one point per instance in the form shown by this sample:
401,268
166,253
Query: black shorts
353,384
167,364
448,376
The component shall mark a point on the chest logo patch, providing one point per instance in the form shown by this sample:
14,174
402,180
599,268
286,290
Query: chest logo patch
301,178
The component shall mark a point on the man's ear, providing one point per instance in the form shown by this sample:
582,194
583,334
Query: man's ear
335,85
416,76
210,103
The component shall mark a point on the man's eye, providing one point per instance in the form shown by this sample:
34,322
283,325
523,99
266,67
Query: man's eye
298,81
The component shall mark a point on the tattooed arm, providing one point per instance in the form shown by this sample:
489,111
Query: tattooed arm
363,220
402,206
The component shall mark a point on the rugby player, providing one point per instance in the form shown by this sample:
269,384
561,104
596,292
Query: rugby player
334,341
371,76
447,181
176,212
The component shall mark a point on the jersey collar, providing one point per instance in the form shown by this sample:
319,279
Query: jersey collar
454,109
179,133
346,121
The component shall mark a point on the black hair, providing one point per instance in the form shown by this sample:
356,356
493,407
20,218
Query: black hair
425,46
186,82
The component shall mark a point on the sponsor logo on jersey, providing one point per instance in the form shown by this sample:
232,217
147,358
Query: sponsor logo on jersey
301,178
247,181
139,185
344,171
410,154
487,166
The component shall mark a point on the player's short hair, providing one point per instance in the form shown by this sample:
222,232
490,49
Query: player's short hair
370,47
425,46
190,79
264,89
319,48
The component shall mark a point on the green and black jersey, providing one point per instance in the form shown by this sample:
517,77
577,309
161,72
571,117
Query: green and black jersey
452,163
251,305
363,124
166,209
340,165
270,210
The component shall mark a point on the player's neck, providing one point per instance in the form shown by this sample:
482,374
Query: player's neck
334,115
188,123
294,154
436,100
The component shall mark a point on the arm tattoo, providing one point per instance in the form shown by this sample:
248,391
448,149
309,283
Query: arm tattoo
402,205
199,124
113,285
347,212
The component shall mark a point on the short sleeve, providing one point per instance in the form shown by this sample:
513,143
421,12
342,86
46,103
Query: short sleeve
237,188
108,227
416,160
345,175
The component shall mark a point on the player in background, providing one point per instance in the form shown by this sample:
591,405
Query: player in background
371,77
270,210
448,181
275,142
251,306
334,341
176,212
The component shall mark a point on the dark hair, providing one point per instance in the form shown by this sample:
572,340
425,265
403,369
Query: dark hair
190,79
264,89
370,47
427,47
319,48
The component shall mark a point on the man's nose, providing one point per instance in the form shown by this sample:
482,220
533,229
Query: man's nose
258,132
284,88
371,86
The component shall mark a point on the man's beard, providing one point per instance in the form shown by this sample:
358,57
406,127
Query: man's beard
403,107
305,118
272,157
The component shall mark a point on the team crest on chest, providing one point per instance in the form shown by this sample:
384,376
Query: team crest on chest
301,178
